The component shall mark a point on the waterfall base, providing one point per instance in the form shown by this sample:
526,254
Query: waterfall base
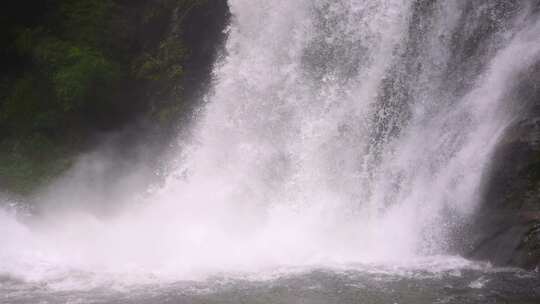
462,282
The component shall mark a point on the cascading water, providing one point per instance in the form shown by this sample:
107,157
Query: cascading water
336,132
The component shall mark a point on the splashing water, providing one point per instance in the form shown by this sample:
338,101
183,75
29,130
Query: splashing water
336,132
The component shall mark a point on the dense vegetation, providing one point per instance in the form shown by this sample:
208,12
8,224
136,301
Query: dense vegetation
73,68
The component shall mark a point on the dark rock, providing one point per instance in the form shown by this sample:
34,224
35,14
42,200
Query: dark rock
506,229
507,239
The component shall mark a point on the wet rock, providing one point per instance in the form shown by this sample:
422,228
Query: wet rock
506,229
507,239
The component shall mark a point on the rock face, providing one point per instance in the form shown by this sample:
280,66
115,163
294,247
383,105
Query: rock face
507,226
507,239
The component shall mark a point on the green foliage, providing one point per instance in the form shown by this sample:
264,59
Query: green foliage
86,21
84,71
166,114
30,163
64,79
73,65
164,64
26,110
61,70
69,59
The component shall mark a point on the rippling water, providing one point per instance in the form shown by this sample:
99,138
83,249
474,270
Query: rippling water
454,281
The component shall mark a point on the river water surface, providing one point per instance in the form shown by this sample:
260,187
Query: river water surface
453,281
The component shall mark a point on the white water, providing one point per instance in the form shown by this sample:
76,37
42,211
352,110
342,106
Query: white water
299,158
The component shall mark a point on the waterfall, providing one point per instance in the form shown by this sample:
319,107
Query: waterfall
344,131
